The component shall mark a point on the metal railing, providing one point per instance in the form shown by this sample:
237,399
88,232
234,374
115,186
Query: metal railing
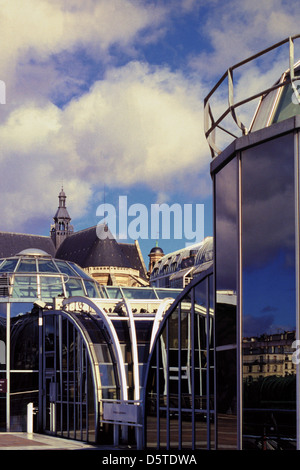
211,123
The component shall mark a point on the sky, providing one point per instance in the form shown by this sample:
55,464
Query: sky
105,98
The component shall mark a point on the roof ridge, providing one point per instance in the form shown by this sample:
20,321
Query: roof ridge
24,234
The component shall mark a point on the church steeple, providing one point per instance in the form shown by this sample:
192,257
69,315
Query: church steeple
61,228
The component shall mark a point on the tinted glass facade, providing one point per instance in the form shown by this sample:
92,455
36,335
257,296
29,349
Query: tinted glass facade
226,186
256,313
268,293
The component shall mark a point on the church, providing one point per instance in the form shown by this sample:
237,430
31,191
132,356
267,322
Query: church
102,257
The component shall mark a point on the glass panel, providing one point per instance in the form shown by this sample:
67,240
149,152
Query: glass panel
80,271
51,287
27,266
163,293
17,309
25,286
92,289
177,386
47,266
288,105
65,268
138,293
24,363
3,316
24,340
225,314
264,111
269,319
3,309
9,265
113,292
74,287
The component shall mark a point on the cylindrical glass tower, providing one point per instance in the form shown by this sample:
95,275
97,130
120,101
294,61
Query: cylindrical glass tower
256,236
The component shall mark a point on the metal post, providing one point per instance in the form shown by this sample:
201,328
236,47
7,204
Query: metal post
116,435
30,418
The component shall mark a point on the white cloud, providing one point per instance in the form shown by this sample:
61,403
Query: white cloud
37,34
242,30
38,28
236,30
139,125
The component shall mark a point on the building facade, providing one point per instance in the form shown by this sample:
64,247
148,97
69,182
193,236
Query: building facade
178,268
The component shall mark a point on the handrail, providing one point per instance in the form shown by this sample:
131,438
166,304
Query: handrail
211,124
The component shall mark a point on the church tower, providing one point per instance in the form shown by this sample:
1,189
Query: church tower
155,255
61,228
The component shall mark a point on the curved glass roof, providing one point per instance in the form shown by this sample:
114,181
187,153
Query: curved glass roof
131,325
34,274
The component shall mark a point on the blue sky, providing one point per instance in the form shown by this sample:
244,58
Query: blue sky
106,97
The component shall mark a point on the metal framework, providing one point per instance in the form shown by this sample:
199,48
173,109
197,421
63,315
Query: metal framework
101,307
211,123
161,363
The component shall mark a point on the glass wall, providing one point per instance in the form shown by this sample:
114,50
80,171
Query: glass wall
226,243
3,320
268,294
70,404
19,363
24,362
255,312
179,395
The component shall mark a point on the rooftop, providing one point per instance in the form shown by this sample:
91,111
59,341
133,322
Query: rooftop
277,102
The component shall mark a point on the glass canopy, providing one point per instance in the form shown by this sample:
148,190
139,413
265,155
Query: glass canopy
34,274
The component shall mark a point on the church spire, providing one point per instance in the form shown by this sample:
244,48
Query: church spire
61,228
62,198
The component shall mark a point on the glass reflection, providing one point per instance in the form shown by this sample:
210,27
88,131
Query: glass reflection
226,306
268,297
74,287
51,287
179,393
27,266
9,265
3,322
25,286
288,105
24,363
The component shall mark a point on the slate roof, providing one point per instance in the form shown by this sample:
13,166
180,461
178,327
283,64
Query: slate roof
96,246
91,247
13,243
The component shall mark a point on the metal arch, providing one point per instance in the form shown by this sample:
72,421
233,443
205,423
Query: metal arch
158,317
114,337
86,339
134,349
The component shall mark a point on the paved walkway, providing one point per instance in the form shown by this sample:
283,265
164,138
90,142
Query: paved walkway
25,441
